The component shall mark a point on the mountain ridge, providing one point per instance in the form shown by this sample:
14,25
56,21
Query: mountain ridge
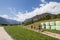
8,21
41,17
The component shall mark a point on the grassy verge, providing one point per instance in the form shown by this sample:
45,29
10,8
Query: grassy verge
19,33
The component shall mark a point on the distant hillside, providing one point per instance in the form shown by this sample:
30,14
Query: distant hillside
41,17
8,21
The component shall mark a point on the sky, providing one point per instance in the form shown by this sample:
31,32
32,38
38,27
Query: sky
21,10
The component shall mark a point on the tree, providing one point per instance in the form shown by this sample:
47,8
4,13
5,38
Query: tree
58,16
48,17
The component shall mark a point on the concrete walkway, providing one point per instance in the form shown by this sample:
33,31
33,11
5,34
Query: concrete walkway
4,35
55,35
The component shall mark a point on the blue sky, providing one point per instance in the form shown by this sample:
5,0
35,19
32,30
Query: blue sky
13,8
19,5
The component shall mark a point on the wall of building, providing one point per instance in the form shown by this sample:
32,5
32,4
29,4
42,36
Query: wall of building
51,25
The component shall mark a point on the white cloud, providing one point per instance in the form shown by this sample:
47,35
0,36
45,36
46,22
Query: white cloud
12,11
23,16
51,7
4,16
43,1
42,5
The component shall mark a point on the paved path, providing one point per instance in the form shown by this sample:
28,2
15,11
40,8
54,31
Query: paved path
55,35
4,35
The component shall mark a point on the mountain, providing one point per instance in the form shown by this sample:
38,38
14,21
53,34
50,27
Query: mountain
41,17
8,21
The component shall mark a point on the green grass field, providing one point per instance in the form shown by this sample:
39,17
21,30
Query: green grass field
20,33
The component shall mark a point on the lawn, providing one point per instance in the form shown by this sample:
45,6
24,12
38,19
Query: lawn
20,33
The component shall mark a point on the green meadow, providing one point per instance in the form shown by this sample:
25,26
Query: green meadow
20,33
